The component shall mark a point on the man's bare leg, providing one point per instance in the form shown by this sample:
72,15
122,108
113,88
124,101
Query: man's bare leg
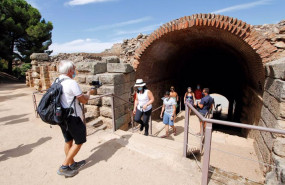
67,147
71,153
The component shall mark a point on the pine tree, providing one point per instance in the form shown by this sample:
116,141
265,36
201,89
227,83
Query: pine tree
22,31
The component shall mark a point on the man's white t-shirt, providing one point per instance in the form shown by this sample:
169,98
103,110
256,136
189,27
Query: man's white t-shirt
70,89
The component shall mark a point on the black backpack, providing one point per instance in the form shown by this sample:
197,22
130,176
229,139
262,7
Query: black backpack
50,109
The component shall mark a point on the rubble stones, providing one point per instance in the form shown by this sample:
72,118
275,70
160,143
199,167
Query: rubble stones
280,44
39,56
35,75
276,69
111,59
276,88
279,147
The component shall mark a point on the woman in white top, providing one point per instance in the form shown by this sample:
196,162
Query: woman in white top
143,105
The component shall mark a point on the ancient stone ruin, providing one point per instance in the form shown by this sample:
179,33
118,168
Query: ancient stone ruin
244,63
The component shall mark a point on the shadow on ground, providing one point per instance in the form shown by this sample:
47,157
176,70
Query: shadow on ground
12,117
17,121
106,150
22,149
9,97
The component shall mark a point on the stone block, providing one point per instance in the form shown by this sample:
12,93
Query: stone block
84,88
80,78
92,67
112,78
264,151
271,178
117,90
267,136
39,56
280,164
276,69
111,59
36,68
268,118
276,88
100,67
91,78
35,75
123,120
92,112
276,107
106,111
279,147
85,66
107,121
97,101
37,82
34,62
118,102
96,123
119,68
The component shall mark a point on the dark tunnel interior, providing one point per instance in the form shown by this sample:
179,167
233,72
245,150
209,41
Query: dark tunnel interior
210,57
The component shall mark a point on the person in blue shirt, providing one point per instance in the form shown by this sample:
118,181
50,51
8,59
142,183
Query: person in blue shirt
205,105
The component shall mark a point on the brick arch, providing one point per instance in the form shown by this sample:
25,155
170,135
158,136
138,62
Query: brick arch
261,49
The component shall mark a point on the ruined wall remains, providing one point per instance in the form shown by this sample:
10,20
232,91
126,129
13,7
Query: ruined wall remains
112,68
116,77
273,116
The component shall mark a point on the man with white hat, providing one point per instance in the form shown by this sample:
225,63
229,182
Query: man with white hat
143,105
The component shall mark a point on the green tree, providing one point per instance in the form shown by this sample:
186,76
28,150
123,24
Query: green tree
22,31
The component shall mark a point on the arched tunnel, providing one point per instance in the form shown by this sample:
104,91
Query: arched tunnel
215,51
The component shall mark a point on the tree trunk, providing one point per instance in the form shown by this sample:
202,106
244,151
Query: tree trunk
10,60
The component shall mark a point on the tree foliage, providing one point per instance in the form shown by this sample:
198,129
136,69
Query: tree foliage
22,31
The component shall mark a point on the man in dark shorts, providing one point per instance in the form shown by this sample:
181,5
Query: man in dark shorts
73,129
205,105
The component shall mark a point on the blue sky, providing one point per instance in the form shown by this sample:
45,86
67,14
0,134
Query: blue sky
94,25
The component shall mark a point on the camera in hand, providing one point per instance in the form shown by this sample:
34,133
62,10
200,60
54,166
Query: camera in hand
96,84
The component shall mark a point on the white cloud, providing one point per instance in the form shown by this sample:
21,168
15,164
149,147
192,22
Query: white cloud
80,45
120,24
84,2
242,6
139,30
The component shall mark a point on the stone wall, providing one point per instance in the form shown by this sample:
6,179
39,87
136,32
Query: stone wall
271,147
116,77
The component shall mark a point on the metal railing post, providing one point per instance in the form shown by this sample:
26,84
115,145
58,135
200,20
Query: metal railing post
84,120
150,125
186,129
207,151
35,105
113,113
180,104
132,120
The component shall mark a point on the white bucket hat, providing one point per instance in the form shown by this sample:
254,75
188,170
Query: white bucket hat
140,83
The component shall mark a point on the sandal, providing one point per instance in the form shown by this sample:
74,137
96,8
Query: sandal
174,132
164,136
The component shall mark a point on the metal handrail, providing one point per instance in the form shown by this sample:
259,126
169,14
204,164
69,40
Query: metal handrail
208,136
235,124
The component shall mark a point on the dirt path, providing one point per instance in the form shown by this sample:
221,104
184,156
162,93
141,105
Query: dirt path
31,152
